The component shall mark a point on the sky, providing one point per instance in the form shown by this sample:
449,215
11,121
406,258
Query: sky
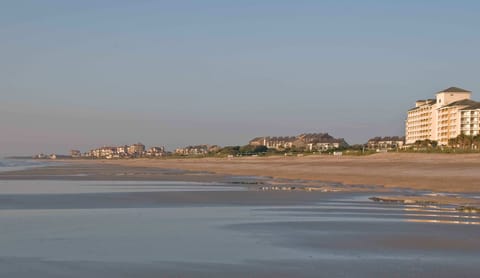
82,74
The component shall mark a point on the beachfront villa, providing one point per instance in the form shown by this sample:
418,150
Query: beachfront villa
136,149
309,141
197,150
451,113
127,151
156,151
75,153
386,143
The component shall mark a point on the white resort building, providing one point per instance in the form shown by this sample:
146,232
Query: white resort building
451,113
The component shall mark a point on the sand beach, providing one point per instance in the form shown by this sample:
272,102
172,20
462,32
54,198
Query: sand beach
418,171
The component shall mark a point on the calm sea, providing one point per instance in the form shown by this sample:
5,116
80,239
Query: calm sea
20,164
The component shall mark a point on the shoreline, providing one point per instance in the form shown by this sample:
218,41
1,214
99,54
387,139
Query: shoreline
418,172
101,170
432,172
387,174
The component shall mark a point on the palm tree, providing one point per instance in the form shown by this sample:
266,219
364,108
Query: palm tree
476,142
462,141
453,142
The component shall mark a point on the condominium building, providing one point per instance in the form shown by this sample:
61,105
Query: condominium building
136,149
385,143
197,150
309,141
419,124
451,113
470,120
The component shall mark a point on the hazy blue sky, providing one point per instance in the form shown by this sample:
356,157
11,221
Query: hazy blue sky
79,74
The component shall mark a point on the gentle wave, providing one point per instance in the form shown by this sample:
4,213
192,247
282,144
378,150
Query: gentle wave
19,164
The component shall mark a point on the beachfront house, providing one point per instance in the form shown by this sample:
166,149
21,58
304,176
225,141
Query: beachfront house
156,151
386,143
193,150
75,153
136,150
109,152
306,141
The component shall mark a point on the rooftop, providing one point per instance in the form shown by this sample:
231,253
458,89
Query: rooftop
473,106
454,90
462,102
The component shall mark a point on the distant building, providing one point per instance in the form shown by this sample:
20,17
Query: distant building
320,141
213,149
281,142
386,143
75,153
193,150
40,156
451,113
156,151
136,149
109,152
308,141
122,151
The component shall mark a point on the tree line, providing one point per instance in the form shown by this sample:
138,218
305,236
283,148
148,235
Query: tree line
465,142
461,142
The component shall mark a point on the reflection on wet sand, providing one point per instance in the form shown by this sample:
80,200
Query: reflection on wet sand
438,214
444,216
79,229
443,221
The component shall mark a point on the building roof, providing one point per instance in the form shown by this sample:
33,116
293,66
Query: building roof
429,101
473,106
454,90
462,102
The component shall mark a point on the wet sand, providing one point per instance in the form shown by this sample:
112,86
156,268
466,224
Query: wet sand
393,174
233,233
456,200
207,218
102,170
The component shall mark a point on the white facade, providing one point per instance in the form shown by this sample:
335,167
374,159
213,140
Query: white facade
419,124
469,123
441,119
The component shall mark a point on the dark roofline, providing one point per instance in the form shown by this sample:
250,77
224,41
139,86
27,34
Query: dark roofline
461,102
454,90
427,101
474,106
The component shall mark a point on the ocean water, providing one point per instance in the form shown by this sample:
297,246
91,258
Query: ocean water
20,164
165,229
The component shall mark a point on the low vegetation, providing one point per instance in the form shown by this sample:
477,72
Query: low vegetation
460,144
